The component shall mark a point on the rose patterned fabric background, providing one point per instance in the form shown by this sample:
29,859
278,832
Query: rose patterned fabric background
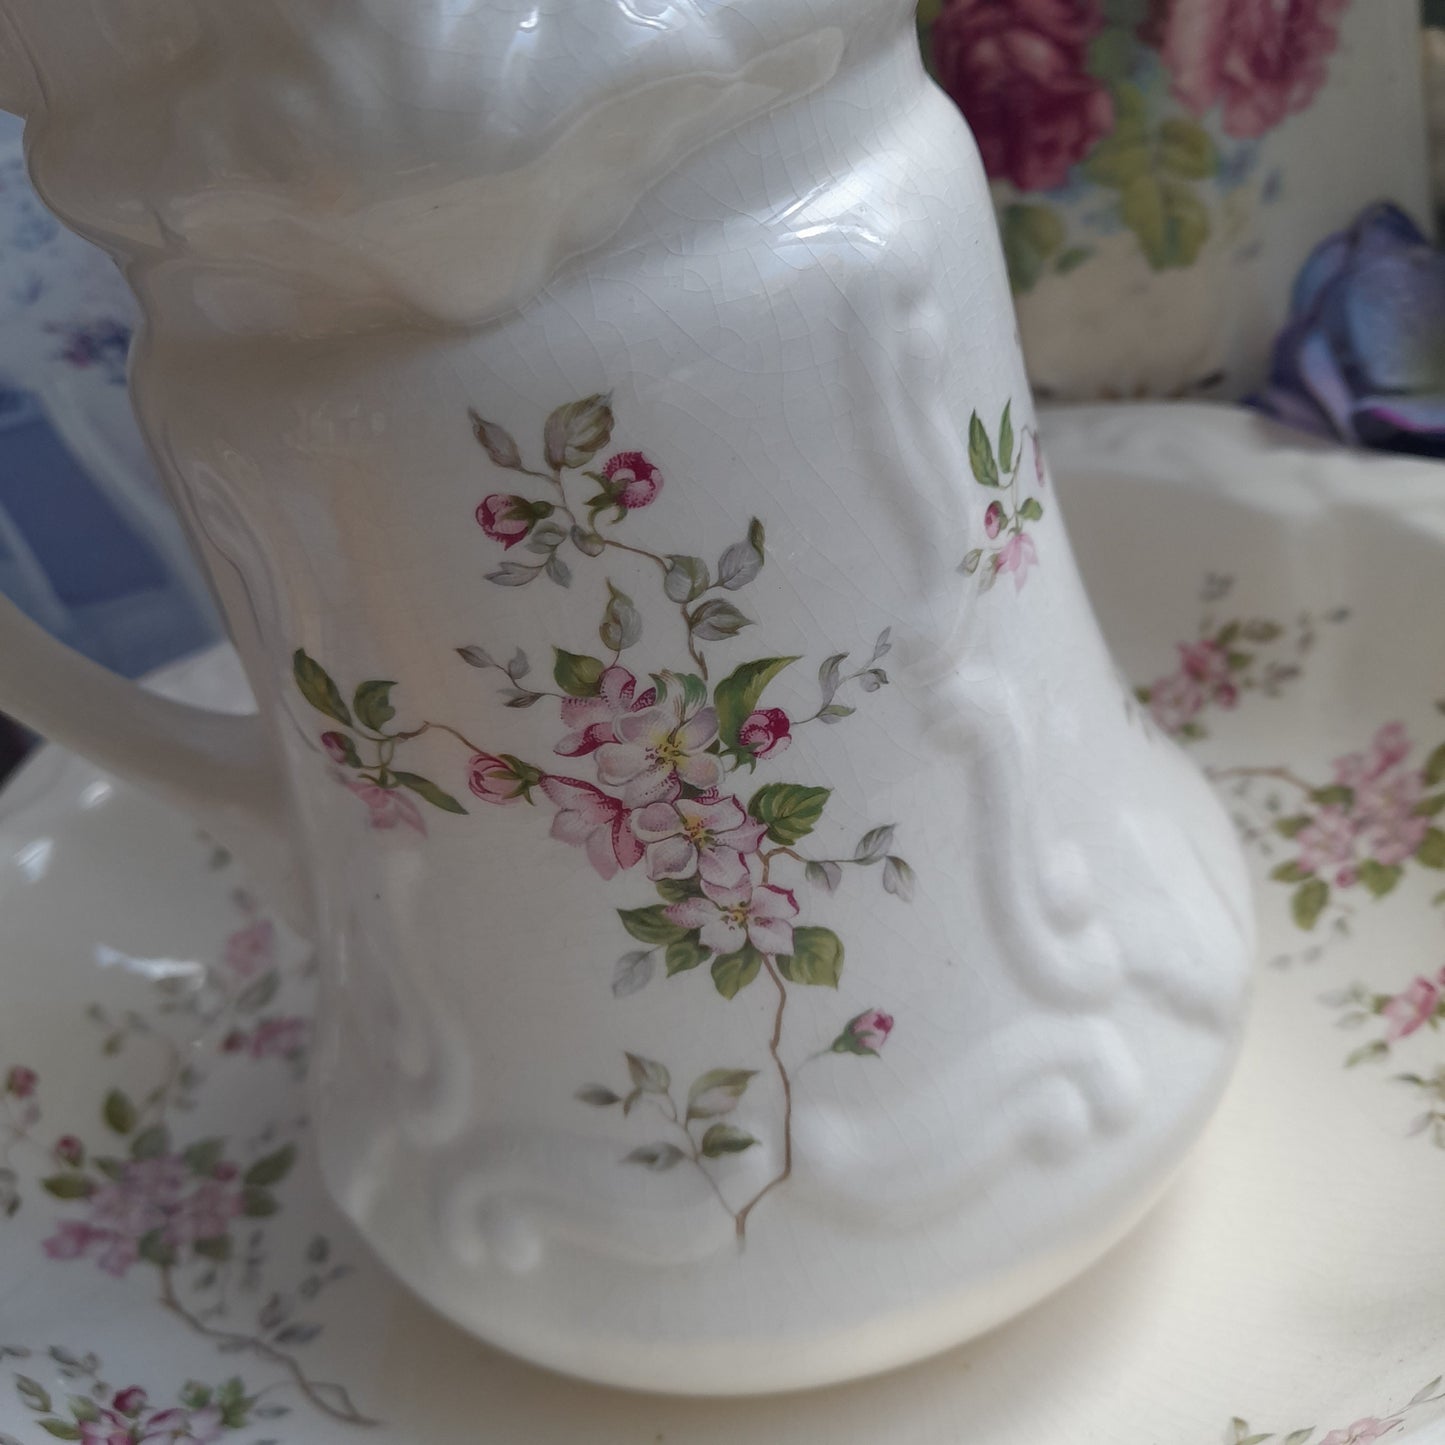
1161,168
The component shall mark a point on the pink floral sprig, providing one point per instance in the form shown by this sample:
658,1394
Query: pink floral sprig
1011,550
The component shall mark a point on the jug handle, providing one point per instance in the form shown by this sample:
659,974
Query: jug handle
220,767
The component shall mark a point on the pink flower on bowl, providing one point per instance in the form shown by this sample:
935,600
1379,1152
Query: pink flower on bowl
1017,555
1207,663
130,1401
493,780
635,481
766,732
593,720
69,1151
251,950
1361,1432
1175,701
386,807
1258,60
1411,1008
1018,70
689,836
655,752
1327,841
279,1038
587,818
20,1082
505,518
993,519
737,907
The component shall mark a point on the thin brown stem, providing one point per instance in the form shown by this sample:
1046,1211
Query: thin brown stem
1279,774
769,854
159,1096
694,1154
786,1172
636,551
663,563
427,727
343,1410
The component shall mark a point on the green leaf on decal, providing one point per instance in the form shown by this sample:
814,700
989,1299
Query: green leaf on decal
651,925
685,954
1379,878
1431,851
723,1139
578,430
425,788
271,1169
372,704
317,687
715,619
1032,509
577,674
648,1075
1006,438
258,1203
34,1395
686,578
733,972
67,1186
119,1112
1309,901
789,810
739,693
203,1156
1435,766
980,454
817,958
717,1092
151,1143
1290,872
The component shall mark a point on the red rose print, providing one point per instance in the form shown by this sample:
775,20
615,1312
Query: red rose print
1018,70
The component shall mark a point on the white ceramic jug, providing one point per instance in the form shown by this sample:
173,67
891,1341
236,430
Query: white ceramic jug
763,941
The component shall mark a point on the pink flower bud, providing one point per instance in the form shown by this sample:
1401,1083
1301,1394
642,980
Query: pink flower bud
993,519
493,780
505,518
336,746
635,481
766,732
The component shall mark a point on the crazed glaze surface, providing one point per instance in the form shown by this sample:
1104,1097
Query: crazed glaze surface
382,250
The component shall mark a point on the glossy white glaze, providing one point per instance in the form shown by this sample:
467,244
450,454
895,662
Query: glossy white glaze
350,229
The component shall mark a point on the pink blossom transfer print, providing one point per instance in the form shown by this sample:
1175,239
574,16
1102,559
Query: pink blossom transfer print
176,1215
1006,519
650,774
1231,657
1361,828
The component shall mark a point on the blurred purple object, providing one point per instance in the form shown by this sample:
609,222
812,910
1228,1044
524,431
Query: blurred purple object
1362,356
